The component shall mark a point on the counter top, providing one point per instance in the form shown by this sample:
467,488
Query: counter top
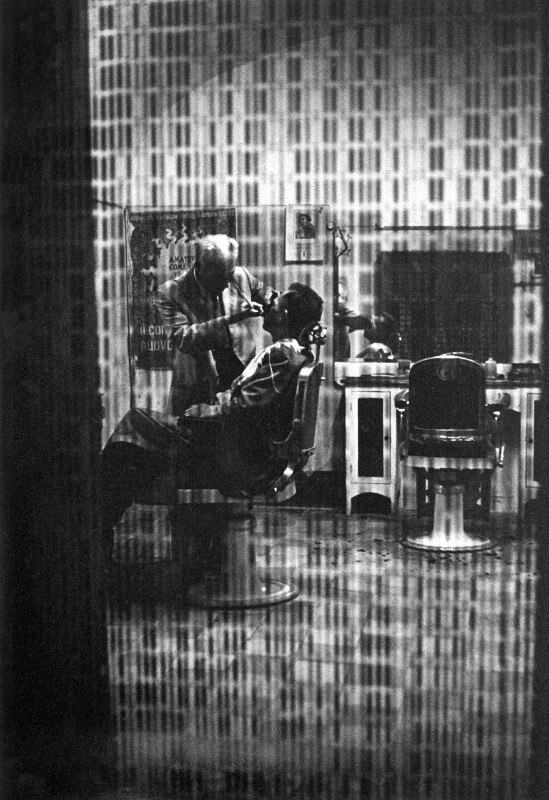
402,380
378,373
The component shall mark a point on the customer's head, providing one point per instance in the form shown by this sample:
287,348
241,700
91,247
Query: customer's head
295,310
216,261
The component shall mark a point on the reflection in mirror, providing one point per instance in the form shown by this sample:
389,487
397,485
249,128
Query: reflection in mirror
359,333
418,292
349,319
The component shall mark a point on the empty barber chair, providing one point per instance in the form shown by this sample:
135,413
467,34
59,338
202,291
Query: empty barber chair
450,436
225,517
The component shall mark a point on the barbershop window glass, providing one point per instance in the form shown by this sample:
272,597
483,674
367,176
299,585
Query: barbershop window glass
160,244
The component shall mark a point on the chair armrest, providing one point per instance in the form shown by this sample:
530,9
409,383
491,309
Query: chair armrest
401,400
290,447
276,492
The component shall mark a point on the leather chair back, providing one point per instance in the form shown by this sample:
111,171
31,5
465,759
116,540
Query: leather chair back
299,445
447,407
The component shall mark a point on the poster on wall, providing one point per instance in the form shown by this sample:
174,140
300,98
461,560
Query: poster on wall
161,245
305,226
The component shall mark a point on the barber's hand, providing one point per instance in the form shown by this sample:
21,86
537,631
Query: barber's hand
251,310
269,300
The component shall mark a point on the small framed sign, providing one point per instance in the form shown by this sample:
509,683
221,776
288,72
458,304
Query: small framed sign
304,233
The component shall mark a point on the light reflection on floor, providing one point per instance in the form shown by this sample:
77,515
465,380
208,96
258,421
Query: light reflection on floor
394,673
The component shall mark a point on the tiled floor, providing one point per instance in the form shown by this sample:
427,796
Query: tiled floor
393,674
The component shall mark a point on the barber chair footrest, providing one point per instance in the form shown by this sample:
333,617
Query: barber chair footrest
210,594
463,544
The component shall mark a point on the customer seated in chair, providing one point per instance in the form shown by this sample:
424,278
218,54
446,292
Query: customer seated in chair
228,446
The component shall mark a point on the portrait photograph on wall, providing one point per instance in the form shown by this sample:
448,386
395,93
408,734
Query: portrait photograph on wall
304,233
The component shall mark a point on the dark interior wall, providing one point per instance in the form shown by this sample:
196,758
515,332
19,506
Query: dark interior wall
53,648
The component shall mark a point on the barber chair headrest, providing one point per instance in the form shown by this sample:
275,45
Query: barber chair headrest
314,336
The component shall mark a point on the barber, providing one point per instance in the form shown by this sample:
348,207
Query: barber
205,312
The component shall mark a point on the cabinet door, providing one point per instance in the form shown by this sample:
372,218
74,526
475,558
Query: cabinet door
369,438
532,466
506,488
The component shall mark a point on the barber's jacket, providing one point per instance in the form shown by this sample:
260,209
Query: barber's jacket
199,332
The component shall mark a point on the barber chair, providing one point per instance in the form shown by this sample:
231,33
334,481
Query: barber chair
449,435
225,517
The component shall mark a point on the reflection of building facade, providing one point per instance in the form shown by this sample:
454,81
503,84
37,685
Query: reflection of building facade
427,118
390,676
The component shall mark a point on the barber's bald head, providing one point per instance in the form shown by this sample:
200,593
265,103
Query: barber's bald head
215,261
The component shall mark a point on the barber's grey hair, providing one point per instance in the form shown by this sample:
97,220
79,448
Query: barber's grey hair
217,247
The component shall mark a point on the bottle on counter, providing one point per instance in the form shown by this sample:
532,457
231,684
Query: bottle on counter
490,368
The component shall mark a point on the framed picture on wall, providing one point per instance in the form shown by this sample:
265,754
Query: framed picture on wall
304,233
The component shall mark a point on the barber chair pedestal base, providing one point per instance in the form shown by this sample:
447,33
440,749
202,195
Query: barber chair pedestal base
448,534
216,593
237,582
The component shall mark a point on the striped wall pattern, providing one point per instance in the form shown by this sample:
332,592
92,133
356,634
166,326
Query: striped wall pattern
392,113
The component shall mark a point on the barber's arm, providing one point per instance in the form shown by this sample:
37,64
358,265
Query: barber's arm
264,295
352,319
190,337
